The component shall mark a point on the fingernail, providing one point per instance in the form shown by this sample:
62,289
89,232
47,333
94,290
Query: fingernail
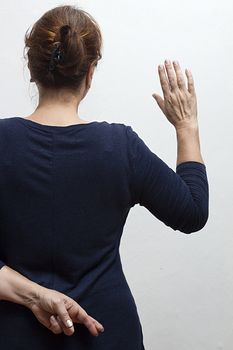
69,323
52,318
160,66
167,61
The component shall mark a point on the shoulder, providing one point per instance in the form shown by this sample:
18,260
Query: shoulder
120,129
127,136
6,126
4,121
7,123
114,126
115,130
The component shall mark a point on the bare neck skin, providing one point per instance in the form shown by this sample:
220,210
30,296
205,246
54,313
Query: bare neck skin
60,107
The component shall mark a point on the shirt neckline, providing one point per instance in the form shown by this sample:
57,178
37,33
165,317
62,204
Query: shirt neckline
29,122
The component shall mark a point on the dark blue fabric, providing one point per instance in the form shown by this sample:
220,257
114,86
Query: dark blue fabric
178,199
66,193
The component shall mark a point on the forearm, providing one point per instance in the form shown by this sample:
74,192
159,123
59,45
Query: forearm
16,288
188,145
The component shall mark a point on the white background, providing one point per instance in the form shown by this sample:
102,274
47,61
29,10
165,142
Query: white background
182,284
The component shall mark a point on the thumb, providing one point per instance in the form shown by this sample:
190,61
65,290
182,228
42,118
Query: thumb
159,100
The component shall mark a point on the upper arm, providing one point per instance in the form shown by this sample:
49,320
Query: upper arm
179,199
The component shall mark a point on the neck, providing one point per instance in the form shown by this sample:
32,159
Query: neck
57,108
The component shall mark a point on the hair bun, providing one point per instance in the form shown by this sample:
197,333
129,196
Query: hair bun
64,30
68,39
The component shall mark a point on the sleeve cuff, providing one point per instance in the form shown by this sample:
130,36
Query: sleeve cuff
191,163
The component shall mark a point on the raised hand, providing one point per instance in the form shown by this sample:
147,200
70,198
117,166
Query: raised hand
179,104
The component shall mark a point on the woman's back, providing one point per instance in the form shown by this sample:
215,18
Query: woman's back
65,196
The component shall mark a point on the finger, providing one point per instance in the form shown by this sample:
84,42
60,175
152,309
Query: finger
42,316
84,318
62,312
171,75
99,326
191,87
55,326
160,101
79,315
163,81
179,76
67,331
91,325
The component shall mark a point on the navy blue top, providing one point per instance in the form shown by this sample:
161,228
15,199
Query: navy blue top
66,192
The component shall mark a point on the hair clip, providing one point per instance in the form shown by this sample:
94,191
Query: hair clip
56,56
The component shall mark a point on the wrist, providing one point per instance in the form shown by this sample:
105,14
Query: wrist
188,144
17,288
33,296
187,129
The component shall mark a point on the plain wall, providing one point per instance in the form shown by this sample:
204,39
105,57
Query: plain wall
182,284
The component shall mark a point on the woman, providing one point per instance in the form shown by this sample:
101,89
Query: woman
67,186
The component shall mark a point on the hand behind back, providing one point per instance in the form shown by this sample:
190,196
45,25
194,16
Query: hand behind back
53,309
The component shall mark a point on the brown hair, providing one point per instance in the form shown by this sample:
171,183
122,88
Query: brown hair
61,46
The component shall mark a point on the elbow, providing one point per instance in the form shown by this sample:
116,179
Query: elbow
195,222
194,226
